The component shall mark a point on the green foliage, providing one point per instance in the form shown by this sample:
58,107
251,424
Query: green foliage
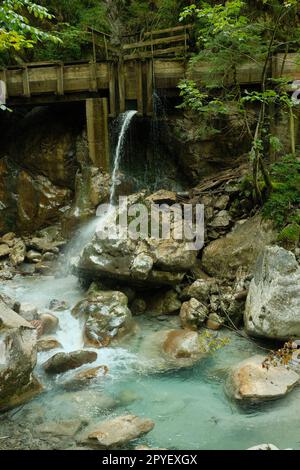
290,233
199,101
16,30
283,204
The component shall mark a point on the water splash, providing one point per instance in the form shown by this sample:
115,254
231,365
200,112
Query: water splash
125,120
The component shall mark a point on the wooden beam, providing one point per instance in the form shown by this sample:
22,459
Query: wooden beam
150,88
139,88
121,82
149,34
155,42
97,132
156,53
112,90
3,76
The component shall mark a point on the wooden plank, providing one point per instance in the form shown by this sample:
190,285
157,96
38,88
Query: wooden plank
121,83
60,79
112,90
155,42
156,52
139,88
97,132
3,77
168,30
150,71
26,84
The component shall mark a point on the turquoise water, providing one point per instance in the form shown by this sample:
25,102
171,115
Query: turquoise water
189,407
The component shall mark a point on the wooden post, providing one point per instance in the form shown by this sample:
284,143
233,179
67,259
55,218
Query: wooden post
122,88
60,79
112,90
93,77
139,88
150,88
97,132
26,85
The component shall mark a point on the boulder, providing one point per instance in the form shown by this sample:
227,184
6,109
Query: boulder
214,322
4,250
17,359
58,305
239,248
28,311
250,381
18,253
222,220
62,362
47,343
222,202
59,428
201,289
171,349
33,256
163,303
193,314
138,306
83,378
163,197
273,302
49,323
264,447
140,261
117,432
106,317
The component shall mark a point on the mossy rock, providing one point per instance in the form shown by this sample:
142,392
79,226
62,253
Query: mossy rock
290,234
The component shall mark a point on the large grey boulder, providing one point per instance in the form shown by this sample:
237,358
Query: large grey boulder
17,359
273,302
143,261
239,249
250,381
105,315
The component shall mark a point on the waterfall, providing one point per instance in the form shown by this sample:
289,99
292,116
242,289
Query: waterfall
125,120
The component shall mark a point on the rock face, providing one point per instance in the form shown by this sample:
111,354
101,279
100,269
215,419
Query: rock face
240,248
105,315
143,261
250,381
163,303
273,302
61,362
117,432
28,202
17,359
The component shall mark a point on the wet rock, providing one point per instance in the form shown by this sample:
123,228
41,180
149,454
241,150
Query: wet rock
17,359
140,262
62,362
26,268
47,343
240,248
148,448
6,274
138,306
222,220
127,397
273,302
33,256
58,305
18,253
193,314
28,311
201,289
163,303
10,302
8,239
163,197
44,268
4,251
117,432
49,323
60,428
48,256
214,322
106,316
44,244
83,378
171,349
250,381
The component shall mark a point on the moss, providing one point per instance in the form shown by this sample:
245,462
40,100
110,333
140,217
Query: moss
290,233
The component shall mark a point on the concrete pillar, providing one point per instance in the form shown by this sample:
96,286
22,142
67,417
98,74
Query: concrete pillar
97,132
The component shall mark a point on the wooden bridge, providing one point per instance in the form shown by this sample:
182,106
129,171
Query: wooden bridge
125,78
